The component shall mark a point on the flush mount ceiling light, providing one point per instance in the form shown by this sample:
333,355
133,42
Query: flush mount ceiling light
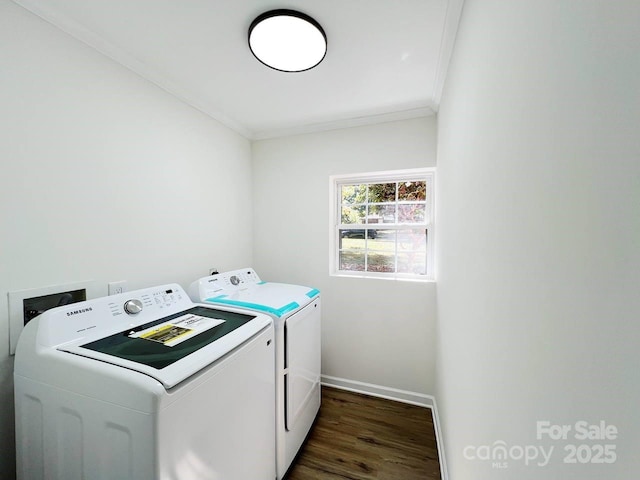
287,40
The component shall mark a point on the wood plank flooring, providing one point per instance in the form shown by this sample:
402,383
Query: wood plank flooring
358,437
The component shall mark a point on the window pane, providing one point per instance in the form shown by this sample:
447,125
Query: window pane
382,240
382,214
411,213
355,238
352,261
382,192
414,262
352,214
381,251
414,240
353,193
412,191
381,261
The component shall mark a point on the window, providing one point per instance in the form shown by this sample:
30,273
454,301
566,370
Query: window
382,224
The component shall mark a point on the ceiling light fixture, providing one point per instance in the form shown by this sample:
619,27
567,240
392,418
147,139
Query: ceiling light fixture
287,40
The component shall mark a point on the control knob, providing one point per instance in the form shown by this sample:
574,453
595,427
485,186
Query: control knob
234,280
133,307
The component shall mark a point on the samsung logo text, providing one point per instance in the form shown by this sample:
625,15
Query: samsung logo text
79,311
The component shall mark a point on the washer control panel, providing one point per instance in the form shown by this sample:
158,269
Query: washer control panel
102,316
148,300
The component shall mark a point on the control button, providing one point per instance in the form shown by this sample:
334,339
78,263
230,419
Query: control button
133,307
234,280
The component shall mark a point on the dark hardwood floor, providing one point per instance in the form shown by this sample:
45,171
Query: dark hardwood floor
358,437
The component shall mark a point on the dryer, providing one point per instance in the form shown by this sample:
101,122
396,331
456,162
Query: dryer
295,310
145,385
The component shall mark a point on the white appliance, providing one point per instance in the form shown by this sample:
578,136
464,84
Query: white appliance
145,385
295,310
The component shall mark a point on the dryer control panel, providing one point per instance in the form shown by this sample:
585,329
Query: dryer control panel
224,283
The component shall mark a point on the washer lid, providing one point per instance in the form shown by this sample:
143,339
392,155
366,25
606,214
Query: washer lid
277,299
173,348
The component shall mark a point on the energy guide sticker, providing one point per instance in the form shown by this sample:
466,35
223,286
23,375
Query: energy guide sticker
167,334
177,330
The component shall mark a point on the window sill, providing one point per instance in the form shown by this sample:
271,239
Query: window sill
398,278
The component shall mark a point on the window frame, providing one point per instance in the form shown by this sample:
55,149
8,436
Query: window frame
387,176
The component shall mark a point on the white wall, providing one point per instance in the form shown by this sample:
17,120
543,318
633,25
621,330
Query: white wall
374,331
104,176
539,233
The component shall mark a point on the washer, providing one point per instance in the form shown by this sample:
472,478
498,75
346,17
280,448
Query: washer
146,385
295,310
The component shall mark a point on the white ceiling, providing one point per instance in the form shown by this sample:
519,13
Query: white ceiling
386,59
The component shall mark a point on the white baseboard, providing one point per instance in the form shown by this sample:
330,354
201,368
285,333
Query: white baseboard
405,396
444,473
389,393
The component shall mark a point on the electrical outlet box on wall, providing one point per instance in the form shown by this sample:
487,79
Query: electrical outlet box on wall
27,304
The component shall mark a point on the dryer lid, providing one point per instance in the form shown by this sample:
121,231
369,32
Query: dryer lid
277,299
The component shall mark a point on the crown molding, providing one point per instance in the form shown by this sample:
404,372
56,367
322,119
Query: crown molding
371,119
449,33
